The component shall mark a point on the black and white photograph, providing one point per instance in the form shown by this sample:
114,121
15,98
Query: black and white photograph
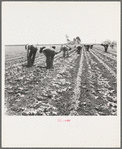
61,60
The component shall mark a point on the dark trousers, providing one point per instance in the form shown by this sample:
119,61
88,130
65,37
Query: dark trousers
31,58
65,52
49,61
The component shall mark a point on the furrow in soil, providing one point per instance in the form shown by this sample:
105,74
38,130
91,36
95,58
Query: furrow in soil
104,63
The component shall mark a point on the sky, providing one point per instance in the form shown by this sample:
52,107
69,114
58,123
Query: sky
49,22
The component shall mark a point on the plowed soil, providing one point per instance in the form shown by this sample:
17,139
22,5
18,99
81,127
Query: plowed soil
81,84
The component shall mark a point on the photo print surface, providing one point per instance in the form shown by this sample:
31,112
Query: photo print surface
60,63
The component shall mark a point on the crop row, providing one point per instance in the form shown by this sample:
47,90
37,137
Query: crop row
77,85
97,87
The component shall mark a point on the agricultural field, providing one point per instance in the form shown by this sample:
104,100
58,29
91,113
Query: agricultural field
81,84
